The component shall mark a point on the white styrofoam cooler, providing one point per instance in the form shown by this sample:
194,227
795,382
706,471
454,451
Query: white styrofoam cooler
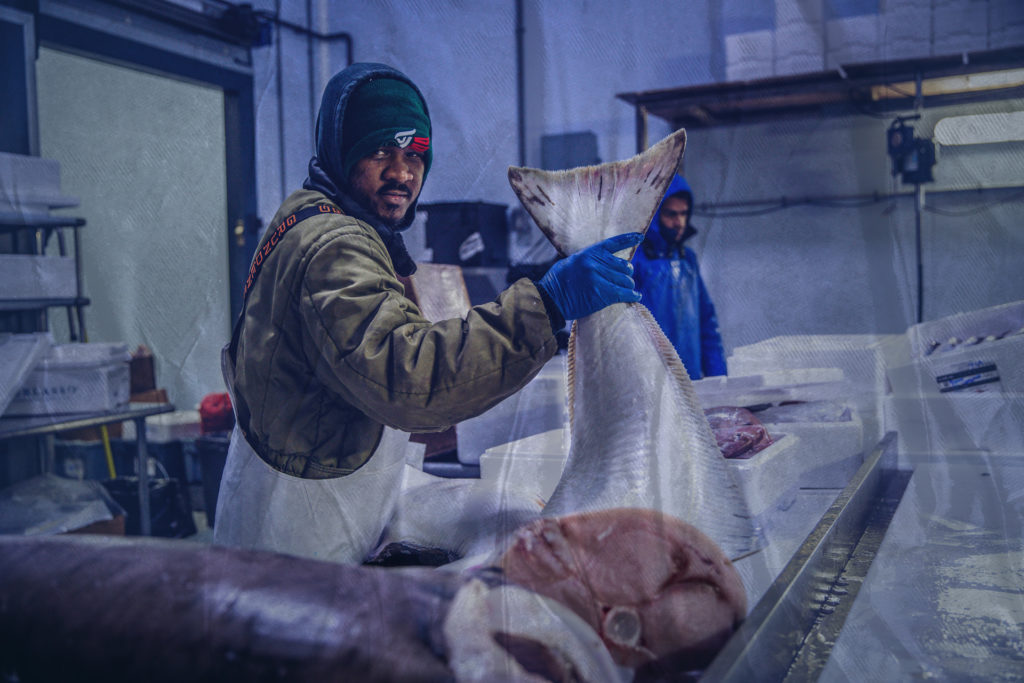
19,354
863,358
829,452
179,425
76,378
532,465
770,478
540,406
30,185
23,276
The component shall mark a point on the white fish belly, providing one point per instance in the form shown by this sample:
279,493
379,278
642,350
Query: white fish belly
639,435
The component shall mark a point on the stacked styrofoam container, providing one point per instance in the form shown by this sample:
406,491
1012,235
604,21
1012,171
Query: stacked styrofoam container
26,277
861,357
19,355
76,378
958,384
29,188
532,464
770,478
825,453
540,406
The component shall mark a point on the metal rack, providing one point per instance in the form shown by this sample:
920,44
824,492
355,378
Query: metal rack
47,425
44,228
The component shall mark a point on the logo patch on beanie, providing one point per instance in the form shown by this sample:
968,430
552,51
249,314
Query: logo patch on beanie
404,137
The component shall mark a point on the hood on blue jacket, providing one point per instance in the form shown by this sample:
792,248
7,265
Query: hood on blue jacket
654,241
325,167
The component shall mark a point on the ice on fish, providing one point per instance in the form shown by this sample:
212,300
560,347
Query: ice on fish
639,437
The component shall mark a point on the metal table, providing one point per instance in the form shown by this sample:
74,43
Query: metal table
911,574
44,425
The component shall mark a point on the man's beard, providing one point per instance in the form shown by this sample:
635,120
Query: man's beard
364,201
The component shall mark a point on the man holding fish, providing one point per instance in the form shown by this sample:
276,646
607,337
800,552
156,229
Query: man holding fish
329,359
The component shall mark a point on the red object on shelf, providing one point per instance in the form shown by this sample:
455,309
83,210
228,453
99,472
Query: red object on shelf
215,414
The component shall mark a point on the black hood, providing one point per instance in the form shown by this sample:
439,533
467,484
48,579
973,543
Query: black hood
325,174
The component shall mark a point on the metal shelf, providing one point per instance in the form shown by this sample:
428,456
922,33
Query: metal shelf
47,425
11,221
36,304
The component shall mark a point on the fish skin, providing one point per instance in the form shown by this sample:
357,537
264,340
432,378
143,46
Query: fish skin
113,609
93,608
639,436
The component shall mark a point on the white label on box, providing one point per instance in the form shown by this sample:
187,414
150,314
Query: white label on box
974,376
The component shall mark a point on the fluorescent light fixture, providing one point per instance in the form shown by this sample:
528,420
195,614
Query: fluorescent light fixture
948,85
977,129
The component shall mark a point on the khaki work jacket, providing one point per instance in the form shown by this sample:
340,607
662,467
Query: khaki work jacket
330,349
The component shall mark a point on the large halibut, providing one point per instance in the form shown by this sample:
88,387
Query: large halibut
639,437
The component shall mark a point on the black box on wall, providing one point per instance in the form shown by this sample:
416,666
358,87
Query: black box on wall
468,233
568,150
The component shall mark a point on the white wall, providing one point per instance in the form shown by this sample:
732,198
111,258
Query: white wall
803,270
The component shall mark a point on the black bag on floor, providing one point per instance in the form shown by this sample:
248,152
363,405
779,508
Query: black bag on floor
170,510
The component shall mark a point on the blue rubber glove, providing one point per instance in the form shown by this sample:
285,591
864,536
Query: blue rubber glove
593,278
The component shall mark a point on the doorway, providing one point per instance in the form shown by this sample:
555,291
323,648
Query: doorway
145,156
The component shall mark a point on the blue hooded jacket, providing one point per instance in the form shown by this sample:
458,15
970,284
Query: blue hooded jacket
671,287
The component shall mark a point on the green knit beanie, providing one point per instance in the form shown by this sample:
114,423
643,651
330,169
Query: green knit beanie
384,112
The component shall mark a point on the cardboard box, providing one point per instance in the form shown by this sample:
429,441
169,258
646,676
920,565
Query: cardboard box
76,378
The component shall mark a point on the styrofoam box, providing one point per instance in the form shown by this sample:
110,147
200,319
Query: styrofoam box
861,357
532,465
988,366
798,384
23,276
179,425
540,406
30,182
770,479
990,422
977,351
19,354
829,452
76,378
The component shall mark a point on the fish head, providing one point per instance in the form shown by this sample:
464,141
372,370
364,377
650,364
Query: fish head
653,587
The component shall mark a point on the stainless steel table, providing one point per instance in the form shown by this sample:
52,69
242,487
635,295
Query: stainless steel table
45,425
910,574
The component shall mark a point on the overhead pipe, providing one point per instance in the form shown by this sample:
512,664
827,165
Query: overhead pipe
310,35
520,83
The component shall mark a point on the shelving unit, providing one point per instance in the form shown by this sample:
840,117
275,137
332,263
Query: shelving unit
43,229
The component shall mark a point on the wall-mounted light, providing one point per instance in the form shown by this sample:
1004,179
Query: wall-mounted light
977,129
949,85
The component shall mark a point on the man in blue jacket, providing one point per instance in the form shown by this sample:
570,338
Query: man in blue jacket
668,279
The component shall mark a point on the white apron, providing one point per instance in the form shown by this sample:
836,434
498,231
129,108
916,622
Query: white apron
339,519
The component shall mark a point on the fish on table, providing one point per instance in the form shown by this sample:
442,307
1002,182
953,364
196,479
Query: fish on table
625,572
